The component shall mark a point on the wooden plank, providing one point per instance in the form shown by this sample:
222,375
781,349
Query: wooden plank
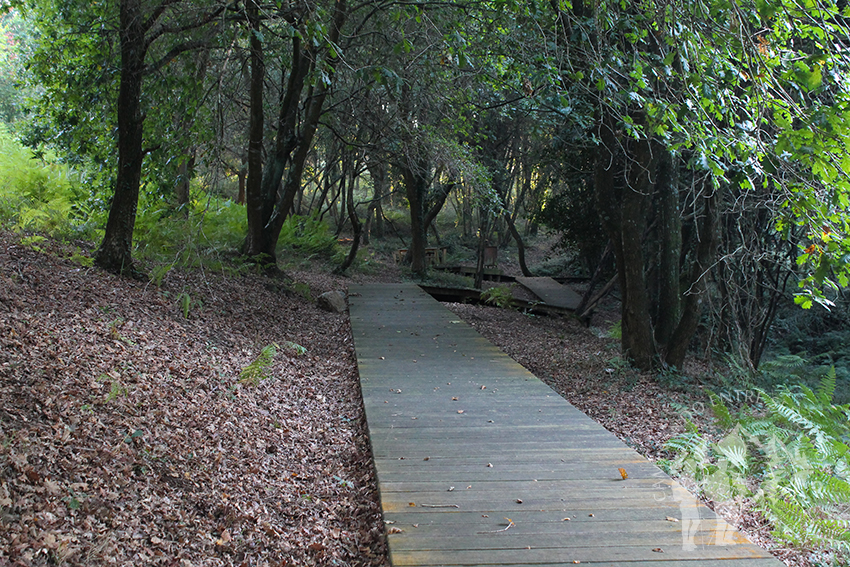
463,438
551,292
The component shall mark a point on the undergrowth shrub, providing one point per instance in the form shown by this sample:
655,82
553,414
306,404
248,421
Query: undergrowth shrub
500,296
164,236
41,195
258,369
790,455
309,235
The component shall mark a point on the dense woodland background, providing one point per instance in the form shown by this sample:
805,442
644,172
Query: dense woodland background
687,161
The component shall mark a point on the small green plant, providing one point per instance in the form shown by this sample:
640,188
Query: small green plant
500,296
72,501
116,390
33,242
791,458
81,259
295,347
185,301
257,371
616,331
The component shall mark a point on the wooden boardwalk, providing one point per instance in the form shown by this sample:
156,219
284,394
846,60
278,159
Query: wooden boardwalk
481,464
551,292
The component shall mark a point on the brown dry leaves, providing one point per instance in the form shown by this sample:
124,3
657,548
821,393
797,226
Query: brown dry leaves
126,439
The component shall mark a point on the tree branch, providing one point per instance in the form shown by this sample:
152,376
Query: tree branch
173,53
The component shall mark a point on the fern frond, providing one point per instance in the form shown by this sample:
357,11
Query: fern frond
826,389
256,371
721,412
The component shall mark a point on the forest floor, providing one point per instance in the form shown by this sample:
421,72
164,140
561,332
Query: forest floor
128,437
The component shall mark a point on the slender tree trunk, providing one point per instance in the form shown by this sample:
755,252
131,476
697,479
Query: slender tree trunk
316,99
255,243
621,201
692,308
670,247
114,253
184,178
356,227
520,245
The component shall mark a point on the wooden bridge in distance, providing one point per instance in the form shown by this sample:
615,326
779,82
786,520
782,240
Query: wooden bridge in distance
481,464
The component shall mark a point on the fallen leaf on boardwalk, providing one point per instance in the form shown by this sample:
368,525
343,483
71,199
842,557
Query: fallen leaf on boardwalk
519,501
460,411
658,550
411,504
623,473
490,465
566,520
395,530
671,519
451,489
454,398
427,459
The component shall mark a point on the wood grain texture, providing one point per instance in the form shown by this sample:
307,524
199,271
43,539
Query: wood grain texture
479,463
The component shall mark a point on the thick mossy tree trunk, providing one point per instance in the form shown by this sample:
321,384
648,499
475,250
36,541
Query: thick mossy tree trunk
114,253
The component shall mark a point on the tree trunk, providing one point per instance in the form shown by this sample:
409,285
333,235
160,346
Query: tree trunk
256,245
416,186
520,245
704,256
622,201
669,249
273,196
184,178
356,227
114,253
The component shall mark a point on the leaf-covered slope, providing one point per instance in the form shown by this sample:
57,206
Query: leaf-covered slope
126,437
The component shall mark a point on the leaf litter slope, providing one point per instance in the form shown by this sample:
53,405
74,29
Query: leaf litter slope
127,439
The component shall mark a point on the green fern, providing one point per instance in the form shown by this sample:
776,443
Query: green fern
721,412
797,453
257,371
500,296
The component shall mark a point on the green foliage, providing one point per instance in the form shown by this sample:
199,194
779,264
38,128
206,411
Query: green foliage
257,371
39,194
616,331
792,459
165,237
500,296
308,235
15,36
185,301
